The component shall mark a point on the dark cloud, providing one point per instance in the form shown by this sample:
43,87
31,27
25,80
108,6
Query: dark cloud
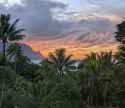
85,27
97,24
37,17
115,7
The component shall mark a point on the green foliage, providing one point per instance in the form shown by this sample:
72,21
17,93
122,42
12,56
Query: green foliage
7,75
15,91
99,81
24,97
64,94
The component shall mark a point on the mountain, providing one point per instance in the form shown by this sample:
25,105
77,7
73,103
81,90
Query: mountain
32,55
35,57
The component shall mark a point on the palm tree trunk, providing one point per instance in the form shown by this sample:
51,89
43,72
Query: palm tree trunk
4,52
61,74
2,94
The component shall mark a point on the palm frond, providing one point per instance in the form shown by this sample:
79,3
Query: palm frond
9,30
53,59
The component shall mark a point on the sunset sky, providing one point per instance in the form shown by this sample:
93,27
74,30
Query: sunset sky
80,26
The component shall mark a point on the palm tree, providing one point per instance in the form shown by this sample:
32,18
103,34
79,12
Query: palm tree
8,32
14,51
96,88
15,54
60,60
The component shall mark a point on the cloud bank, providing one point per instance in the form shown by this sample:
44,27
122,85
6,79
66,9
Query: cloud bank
55,23
37,16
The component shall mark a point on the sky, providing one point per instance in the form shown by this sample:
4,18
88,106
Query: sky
80,26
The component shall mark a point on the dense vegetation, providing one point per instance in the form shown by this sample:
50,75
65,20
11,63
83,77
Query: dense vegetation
99,81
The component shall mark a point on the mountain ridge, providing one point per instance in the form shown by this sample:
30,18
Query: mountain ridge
29,52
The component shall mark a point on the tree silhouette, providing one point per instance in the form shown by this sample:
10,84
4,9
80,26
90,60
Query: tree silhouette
96,87
120,34
15,55
120,37
60,60
8,32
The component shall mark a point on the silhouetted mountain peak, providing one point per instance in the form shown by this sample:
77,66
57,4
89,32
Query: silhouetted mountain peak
28,51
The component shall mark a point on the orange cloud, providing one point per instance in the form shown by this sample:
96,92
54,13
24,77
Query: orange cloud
79,49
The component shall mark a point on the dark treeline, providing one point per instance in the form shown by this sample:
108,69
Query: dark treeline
98,81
